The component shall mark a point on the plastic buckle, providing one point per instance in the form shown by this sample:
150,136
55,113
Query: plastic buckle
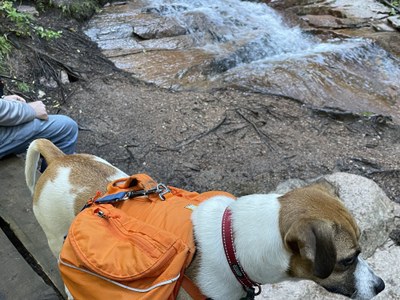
251,293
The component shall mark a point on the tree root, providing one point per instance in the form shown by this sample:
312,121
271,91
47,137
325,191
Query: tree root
263,136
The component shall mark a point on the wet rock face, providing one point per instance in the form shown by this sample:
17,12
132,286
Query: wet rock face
248,46
347,15
394,21
366,9
149,26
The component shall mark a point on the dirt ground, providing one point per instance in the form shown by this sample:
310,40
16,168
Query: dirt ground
229,140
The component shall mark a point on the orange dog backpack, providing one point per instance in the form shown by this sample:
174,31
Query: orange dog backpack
132,243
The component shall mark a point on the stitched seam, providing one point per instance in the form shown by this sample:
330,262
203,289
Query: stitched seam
168,281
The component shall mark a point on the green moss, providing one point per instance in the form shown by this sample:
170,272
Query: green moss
81,10
77,9
23,87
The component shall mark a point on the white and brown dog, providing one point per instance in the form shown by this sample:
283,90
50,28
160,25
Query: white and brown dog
304,234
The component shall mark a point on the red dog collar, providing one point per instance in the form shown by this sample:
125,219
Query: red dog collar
230,253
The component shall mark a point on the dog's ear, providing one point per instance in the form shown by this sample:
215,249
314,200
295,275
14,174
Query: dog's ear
327,187
313,241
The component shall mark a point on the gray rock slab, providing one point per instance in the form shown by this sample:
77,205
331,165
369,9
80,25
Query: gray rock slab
16,210
394,21
372,209
367,9
17,279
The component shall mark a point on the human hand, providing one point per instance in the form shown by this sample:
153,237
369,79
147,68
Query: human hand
40,109
14,98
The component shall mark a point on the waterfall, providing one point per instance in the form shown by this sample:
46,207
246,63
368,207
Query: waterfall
233,22
211,44
257,31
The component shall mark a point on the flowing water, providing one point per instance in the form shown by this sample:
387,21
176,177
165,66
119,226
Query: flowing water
202,45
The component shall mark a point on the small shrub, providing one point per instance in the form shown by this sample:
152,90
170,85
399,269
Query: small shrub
81,10
19,24
23,87
47,34
5,47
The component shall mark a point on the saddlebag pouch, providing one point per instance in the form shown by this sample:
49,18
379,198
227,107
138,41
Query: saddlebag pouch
110,254
133,243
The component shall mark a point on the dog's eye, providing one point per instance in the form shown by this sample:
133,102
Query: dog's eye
348,261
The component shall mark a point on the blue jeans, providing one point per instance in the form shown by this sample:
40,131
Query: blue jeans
60,129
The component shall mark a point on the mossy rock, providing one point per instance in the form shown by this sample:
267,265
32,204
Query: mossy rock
78,9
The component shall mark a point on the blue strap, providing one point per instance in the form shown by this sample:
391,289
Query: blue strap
161,189
111,198
108,199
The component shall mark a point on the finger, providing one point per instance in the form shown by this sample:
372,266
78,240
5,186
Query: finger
21,99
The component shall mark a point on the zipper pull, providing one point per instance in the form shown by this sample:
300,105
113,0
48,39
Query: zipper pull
100,213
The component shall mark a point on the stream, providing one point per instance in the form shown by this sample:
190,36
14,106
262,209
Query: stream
207,45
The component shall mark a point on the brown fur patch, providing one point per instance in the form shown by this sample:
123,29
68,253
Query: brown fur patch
48,150
87,177
316,203
313,241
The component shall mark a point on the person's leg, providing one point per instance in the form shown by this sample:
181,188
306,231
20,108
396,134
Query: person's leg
60,129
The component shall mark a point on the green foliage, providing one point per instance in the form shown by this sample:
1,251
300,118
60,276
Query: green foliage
47,34
77,9
394,4
5,47
23,87
41,5
367,114
20,22
81,10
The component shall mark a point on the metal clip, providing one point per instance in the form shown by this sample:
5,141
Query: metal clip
162,189
127,196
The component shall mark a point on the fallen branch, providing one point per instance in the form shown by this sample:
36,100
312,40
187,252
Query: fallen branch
395,172
198,136
260,133
130,153
343,115
57,61
10,77
366,162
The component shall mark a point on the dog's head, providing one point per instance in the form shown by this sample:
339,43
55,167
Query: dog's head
324,240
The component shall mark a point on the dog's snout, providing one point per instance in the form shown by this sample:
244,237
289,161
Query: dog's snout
380,286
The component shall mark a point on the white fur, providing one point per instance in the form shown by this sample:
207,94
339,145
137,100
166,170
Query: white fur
257,216
258,243
255,220
32,157
366,280
54,209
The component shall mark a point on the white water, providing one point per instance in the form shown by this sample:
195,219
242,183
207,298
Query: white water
258,33
234,20
246,45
